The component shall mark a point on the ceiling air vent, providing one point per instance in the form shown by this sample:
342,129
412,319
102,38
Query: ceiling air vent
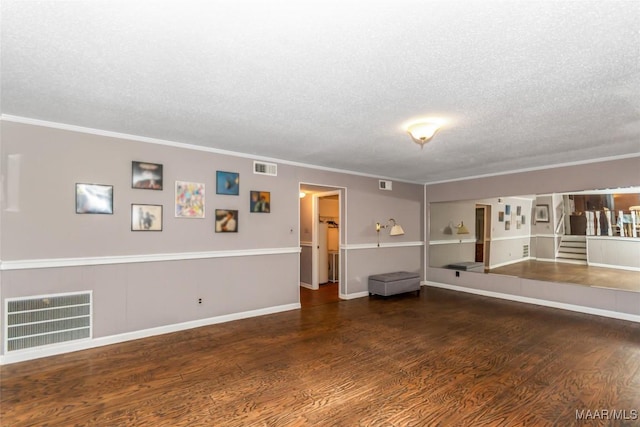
262,168
384,185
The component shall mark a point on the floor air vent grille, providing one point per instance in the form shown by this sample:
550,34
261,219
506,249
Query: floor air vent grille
47,319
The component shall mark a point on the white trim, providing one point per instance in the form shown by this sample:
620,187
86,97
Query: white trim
110,134
617,267
354,295
538,168
548,236
617,238
497,239
621,190
544,259
545,303
306,244
357,246
128,259
343,264
426,218
572,261
502,264
148,140
20,356
450,241
306,285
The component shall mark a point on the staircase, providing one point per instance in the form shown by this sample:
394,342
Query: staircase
573,250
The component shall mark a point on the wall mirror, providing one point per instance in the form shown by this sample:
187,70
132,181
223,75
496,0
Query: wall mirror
585,237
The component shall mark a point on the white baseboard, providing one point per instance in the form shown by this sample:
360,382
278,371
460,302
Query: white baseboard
355,295
617,267
527,300
515,261
306,285
572,261
36,353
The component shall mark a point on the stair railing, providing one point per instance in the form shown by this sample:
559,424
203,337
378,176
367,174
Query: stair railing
558,242
560,225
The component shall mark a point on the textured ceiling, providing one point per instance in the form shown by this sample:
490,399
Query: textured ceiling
523,84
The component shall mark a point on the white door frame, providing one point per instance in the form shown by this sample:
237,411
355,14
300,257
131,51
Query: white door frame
486,233
315,213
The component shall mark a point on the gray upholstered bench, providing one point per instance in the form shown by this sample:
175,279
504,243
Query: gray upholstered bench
394,283
467,266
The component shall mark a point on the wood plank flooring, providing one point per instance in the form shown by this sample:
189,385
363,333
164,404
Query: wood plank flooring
443,358
573,273
326,294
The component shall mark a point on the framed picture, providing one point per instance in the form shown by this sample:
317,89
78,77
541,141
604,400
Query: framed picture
189,200
518,225
146,217
524,219
507,225
507,210
94,199
227,183
260,202
519,210
500,216
542,213
226,221
146,175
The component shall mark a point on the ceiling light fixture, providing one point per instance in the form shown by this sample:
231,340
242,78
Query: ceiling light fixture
422,131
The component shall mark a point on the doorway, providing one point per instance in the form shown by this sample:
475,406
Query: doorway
483,234
321,235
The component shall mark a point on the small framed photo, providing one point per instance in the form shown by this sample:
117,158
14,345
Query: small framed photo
227,183
226,221
507,210
501,216
260,202
542,213
189,199
94,199
519,210
146,217
507,225
146,175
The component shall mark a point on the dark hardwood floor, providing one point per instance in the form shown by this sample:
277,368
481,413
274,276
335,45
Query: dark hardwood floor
326,294
443,358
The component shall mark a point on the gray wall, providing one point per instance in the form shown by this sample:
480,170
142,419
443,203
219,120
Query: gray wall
605,174
135,294
506,245
445,248
614,251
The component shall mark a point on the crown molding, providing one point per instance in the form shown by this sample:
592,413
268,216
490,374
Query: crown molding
186,146
538,168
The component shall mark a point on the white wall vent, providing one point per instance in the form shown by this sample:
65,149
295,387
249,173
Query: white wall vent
384,185
47,319
262,168
525,251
